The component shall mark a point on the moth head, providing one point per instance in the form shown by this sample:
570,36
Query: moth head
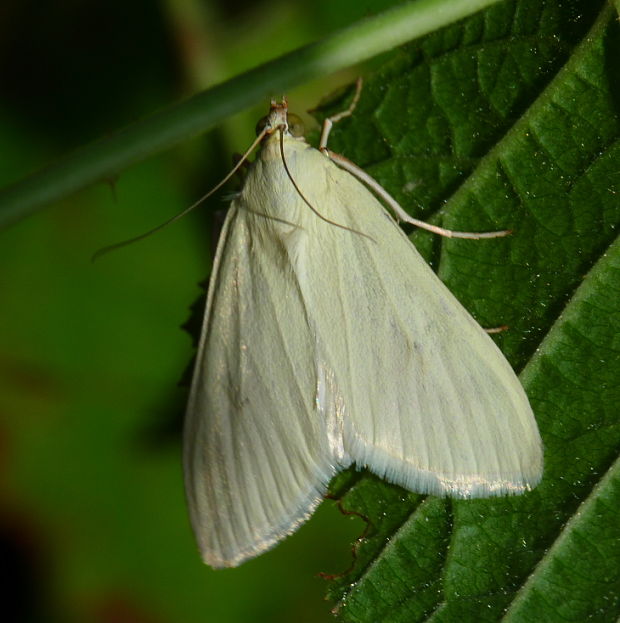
280,118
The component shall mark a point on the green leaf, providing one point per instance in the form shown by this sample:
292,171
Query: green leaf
508,120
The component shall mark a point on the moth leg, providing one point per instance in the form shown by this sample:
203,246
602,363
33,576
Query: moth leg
396,208
329,122
500,329
378,190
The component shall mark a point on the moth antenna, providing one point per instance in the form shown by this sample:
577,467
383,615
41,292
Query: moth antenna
113,247
323,218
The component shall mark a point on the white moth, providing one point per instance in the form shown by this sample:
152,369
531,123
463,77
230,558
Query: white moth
328,341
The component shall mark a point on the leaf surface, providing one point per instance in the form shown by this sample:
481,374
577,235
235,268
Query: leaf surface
508,120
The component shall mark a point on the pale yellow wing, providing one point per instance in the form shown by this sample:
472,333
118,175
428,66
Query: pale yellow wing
256,458
427,399
331,343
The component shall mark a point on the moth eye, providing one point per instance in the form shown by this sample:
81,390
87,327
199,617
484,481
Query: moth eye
295,125
262,124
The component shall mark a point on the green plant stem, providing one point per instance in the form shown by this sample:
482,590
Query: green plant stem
105,158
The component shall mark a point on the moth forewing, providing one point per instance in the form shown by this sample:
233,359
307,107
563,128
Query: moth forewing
328,341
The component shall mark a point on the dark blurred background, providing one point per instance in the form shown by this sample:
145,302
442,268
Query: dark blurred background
93,524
